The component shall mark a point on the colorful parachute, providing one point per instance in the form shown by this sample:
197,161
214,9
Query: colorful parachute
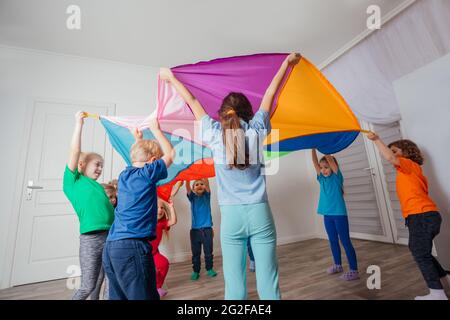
308,112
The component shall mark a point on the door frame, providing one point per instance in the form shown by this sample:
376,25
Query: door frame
387,198
382,188
404,241
379,194
13,218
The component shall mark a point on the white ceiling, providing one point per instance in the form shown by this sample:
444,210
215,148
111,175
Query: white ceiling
173,32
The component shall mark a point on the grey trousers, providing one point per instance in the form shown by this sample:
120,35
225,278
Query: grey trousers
92,275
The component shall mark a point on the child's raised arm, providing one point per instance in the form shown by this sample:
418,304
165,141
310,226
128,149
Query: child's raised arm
384,150
196,107
176,188
188,187
207,187
166,146
267,101
137,134
315,161
75,145
172,214
333,165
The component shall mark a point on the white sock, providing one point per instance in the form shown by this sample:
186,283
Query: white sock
435,294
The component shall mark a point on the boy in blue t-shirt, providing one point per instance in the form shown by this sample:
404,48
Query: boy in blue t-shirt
199,196
127,256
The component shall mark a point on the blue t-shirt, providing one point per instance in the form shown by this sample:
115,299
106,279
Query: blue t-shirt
237,186
200,210
331,201
137,209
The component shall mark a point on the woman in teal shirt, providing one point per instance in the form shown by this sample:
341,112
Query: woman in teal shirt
241,184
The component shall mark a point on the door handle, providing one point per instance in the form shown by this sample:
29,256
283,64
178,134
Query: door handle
371,170
35,187
30,188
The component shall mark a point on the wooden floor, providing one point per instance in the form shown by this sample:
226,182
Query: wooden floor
302,276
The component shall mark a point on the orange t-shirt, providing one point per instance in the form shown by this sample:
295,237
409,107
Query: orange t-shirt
412,189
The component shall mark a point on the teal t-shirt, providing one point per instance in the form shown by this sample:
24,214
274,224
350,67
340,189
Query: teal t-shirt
89,200
331,201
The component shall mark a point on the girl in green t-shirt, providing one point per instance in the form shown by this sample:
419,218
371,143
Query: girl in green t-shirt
93,209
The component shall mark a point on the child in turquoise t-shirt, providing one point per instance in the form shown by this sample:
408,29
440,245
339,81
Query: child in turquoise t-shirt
332,207
201,234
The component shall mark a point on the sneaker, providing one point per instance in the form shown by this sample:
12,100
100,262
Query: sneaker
350,275
433,295
211,273
335,268
162,292
195,276
252,267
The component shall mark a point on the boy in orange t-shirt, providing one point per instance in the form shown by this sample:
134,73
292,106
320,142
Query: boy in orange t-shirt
419,210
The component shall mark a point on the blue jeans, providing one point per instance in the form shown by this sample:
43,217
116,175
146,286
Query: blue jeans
337,229
199,237
130,269
423,228
239,223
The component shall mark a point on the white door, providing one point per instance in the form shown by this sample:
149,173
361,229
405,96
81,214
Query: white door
367,212
47,240
390,133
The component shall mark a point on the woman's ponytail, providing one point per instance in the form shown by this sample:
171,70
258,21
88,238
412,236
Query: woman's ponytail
234,141
235,107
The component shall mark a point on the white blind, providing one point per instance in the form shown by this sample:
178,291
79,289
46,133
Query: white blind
359,191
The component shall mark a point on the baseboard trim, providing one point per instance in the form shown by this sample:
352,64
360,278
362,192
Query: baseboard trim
296,238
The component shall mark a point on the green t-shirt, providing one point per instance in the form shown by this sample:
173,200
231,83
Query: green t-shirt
89,200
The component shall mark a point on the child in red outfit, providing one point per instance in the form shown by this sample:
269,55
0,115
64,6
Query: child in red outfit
166,218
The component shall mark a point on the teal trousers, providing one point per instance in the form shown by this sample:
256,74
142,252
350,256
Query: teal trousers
238,224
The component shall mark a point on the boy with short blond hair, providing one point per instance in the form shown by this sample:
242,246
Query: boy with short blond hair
127,257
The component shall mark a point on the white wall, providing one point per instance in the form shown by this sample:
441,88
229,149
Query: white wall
27,74
424,99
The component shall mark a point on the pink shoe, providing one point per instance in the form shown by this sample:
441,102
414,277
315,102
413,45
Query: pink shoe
335,269
162,292
350,275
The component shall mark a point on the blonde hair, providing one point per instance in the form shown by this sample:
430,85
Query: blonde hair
324,159
143,150
166,216
86,157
